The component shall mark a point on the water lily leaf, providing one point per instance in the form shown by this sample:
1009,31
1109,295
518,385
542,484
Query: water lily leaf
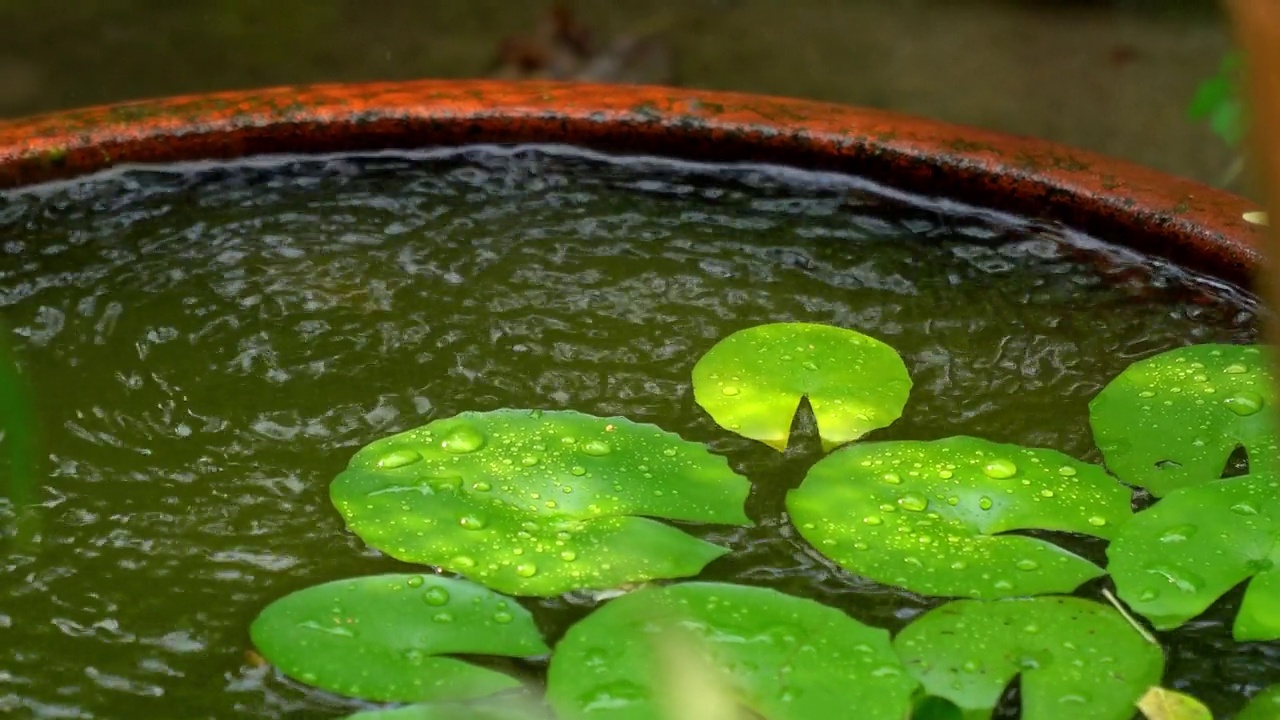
1174,419
1173,560
1077,658
926,516
1264,706
752,381
381,637
1165,704
786,658
540,503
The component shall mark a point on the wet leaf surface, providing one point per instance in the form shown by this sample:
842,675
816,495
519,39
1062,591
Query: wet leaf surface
534,503
1077,658
1174,419
1165,704
752,381
927,516
1173,560
381,637
787,658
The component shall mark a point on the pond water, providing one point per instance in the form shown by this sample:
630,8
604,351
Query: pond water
209,344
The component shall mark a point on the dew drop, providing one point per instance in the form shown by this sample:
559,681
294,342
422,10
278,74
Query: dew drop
414,581
1027,565
568,556
399,458
729,390
1235,369
914,502
481,486
892,478
443,617
596,448
463,561
1066,471
1244,404
577,471
472,522
872,520
945,474
1097,520
435,596
462,440
1185,581
984,502
1178,533
502,617
669,452
809,365
1147,394
1244,508
526,570
1000,469
529,460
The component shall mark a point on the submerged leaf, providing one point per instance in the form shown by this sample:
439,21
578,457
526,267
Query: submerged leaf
1077,658
1165,704
752,382
381,637
1173,560
540,503
1174,419
1264,706
926,516
502,707
785,657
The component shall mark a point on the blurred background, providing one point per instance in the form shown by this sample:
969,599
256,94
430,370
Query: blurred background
1139,79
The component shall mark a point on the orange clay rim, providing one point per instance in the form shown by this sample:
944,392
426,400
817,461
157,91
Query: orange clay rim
1186,222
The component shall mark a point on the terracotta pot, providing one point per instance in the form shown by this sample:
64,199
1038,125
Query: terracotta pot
1188,223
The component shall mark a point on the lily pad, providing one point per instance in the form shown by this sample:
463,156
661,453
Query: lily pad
752,382
382,637
540,503
784,657
1173,560
1174,419
1077,658
926,516
1264,706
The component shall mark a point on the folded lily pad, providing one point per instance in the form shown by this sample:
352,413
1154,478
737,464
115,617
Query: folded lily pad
1077,658
1174,419
926,516
540,503
1173,560
752,382
1164,704
784,657
382,637
1264,706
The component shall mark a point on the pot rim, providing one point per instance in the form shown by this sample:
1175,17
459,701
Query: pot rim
1116,201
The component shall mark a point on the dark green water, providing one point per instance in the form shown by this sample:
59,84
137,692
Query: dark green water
208,345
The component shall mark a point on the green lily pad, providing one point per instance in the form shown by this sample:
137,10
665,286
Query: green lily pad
1173,560
381,637
784,657
926,516
752,382
1077,658
540,503
1264,706
1174,419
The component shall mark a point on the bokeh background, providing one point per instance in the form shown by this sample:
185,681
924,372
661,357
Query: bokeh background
1115,76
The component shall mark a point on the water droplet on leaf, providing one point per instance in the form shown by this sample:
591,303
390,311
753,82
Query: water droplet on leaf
1244,404
399,458
462,440
596,448
1000,468
435,596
